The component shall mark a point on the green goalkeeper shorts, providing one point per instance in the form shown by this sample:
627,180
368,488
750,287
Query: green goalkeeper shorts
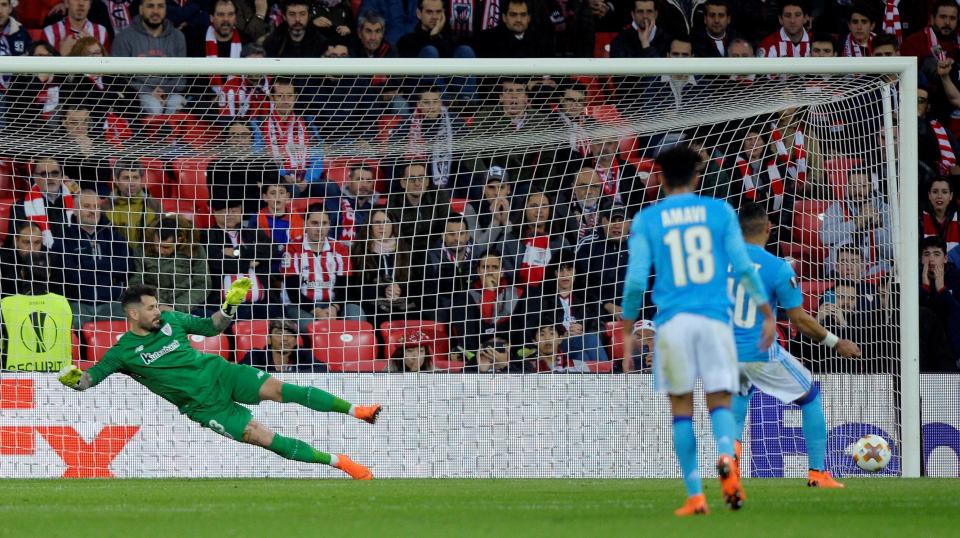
237,384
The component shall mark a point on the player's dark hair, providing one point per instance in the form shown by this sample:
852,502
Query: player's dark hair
753,219
933,241
679,166
133,295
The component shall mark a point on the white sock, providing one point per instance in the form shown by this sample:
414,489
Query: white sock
353,410
334,460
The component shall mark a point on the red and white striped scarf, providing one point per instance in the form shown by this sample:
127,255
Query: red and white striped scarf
213,51
288,142
119,11
48,98
947,158
891,20
536,258
56,33
35,209
461,16
257,291
934,42
611,179
796,159
318,269
348,220
116,130
948,230
751,184
855,50
588,223
233,96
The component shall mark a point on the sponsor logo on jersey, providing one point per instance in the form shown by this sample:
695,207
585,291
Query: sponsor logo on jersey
147,358
139,349
260,374
166,329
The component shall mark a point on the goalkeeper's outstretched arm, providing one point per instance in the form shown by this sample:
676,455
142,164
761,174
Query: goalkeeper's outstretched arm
809,326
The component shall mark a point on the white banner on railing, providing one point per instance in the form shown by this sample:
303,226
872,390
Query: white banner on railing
577,426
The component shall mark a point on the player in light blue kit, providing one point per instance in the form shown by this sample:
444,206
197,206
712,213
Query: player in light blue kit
690,241
776,372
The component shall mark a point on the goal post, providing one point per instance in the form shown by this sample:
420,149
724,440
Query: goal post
456,421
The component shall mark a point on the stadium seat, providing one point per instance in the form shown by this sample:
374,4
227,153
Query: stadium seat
601,44
300,205
615,337
36,34
836,170
100,336
154,172
346,346
459,205
6,206
211,345
812,291
250,335
392,331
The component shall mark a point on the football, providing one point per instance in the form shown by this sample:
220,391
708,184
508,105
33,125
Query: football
871,453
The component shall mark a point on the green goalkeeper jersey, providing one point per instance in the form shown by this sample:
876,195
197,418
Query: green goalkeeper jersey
165,363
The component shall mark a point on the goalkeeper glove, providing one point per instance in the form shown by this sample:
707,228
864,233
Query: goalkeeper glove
70,376
235,297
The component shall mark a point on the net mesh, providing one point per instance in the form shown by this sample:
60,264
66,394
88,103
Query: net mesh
440,224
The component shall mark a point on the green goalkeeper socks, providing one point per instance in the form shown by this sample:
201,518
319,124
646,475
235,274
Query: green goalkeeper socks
314,398
297,450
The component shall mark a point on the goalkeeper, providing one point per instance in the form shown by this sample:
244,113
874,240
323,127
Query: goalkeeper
156,352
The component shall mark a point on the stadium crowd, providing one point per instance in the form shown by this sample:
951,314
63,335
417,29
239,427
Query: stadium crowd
448,261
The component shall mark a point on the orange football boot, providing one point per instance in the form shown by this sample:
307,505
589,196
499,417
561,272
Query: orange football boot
729,474
368,413
822,479
352,468
695,505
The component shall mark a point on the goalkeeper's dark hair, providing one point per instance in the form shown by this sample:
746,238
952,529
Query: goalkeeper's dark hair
678,166
753,218
134,294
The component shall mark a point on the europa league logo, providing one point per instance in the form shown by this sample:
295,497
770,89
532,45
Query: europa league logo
39,332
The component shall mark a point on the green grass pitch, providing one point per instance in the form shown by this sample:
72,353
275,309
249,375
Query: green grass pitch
422,508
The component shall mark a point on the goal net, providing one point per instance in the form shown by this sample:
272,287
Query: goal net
437,236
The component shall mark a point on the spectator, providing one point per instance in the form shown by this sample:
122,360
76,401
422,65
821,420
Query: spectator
859,41
103,95
31,100
939,217
369,42
22,250
845,316
493,358
644,332
861,220
129,206
792,40
283,353
572,115
580,207
152,35
491,308
76,130
823,46
173,262
619,179
885,45
15,40
940,37
430,134
351,208
236,252
495,216
221,38
50,201
642,38
413,354
937,146
432,37
470,17
714,176
751,177
400,16
566,299
940,293
569,28
535,242
253,18
740,48
547,355
296,37
384,280
604,262
419,211
334,18
315,274
713,39
95,263
514,37
62,35
288,136
277,222
448,268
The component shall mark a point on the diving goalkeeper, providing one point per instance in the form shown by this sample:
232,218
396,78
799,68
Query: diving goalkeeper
156,352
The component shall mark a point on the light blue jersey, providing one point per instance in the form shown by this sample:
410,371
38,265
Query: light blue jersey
781,283
690,241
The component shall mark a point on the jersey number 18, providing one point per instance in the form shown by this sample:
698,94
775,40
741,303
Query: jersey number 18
691,255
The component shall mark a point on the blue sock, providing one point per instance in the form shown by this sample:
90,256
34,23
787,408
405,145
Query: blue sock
814,429
685,445
741,405
724,429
